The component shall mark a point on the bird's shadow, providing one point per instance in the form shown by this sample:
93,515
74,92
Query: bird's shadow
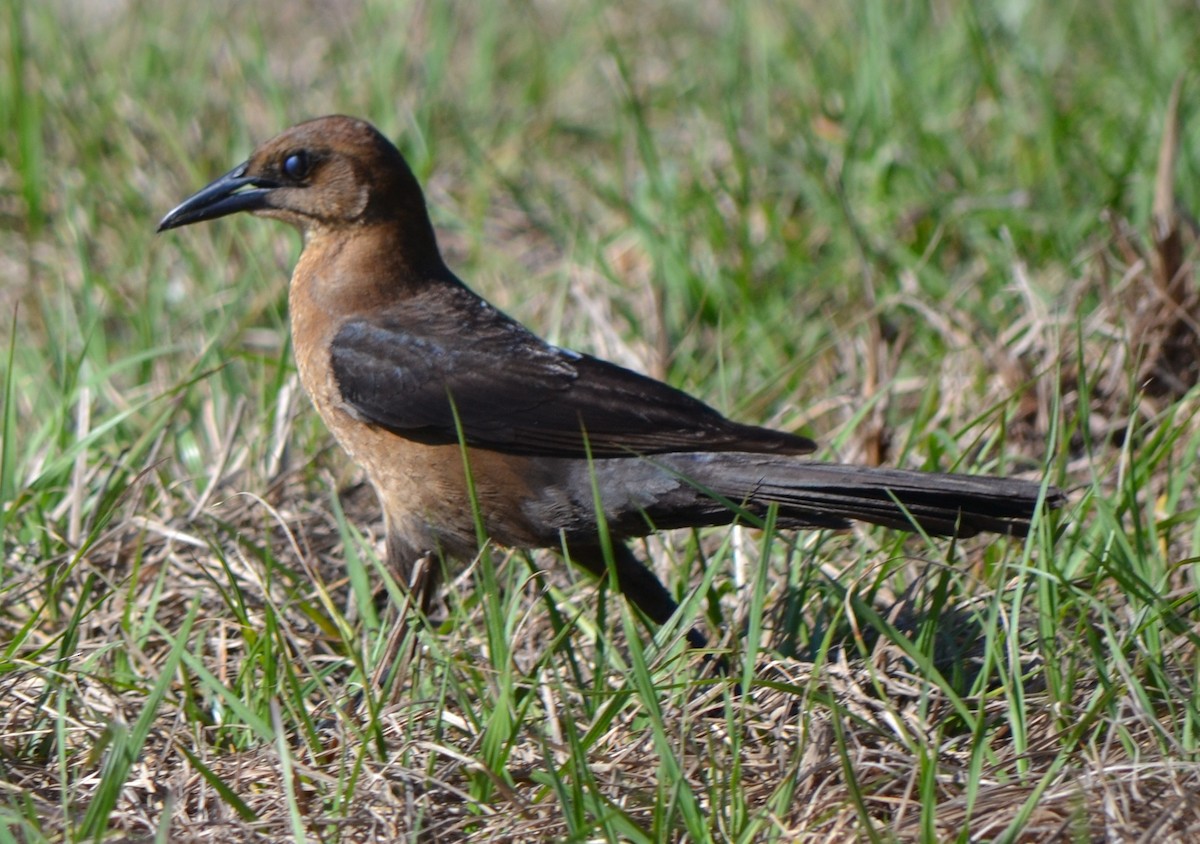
935,632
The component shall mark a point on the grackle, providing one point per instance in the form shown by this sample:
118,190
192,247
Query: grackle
406,365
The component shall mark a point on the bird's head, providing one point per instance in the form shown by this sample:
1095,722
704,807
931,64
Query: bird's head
332,172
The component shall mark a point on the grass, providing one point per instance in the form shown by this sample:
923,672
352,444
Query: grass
922,233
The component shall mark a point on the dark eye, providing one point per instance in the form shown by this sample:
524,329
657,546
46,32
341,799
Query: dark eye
295,166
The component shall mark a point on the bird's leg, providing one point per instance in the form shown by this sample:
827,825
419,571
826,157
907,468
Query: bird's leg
418,571
636,582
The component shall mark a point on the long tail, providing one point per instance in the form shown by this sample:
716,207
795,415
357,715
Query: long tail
831,495
694,490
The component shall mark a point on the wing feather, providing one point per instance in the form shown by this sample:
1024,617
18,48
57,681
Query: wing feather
515,393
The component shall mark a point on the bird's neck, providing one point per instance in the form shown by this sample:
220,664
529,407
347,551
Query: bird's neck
374,266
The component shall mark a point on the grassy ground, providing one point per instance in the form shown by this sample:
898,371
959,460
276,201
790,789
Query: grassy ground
937,236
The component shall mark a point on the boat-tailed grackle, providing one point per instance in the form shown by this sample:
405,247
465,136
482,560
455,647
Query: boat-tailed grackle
404,363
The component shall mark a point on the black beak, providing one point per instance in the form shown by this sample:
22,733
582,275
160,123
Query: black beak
224,196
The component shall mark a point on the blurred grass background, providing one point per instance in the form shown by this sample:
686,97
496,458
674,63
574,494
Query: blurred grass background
904,228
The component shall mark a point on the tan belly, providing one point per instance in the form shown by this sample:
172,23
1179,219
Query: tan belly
423,488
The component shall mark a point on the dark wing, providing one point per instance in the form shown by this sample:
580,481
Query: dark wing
515,393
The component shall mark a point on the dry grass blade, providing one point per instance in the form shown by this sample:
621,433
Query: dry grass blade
1167,329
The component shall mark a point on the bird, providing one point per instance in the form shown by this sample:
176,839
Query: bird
463,418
